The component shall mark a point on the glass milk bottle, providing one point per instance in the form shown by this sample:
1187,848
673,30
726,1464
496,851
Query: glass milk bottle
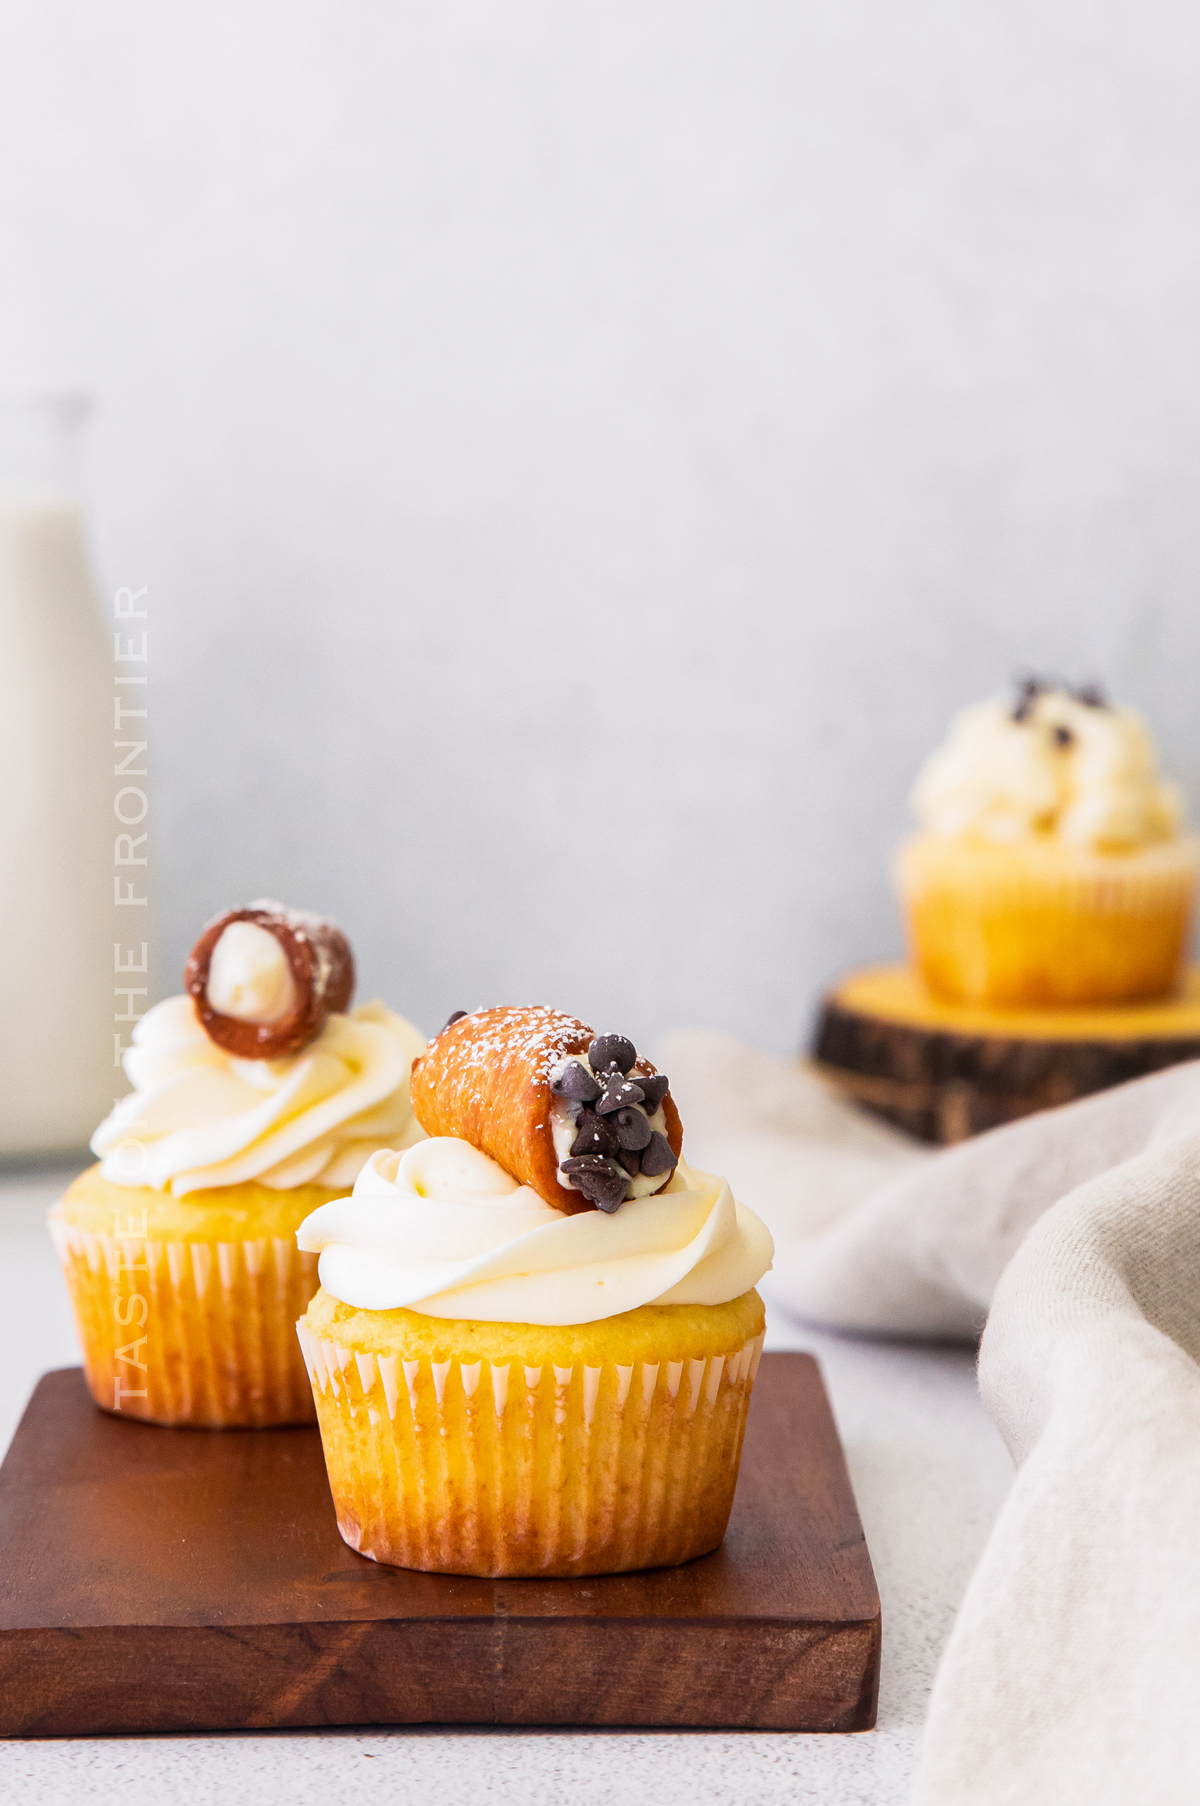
56,794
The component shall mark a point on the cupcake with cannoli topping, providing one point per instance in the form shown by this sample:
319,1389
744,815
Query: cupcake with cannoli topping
1052,866
537,1331
258,1095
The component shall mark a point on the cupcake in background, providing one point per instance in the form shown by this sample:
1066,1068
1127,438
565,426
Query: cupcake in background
1052,866
257,1096
537,1332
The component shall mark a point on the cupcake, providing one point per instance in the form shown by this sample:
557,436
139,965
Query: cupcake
257,1096
537,1332
1052,867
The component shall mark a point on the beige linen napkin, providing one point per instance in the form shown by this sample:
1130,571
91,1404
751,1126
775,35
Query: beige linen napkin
1073,1669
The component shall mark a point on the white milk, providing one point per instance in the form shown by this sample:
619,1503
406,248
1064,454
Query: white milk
57,1078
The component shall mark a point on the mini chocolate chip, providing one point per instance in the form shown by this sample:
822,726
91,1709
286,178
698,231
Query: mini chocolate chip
1028,691
655,1087
658,1156
450,1020
1091,696
631,1160
609,1198
575,1081
1063,736
619,1094
632,1129
601,1182
611,1050
594,1135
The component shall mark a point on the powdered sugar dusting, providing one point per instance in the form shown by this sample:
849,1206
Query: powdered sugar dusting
299,919
486,1077
527,1040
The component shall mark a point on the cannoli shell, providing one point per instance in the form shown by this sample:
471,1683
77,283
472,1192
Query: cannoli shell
486,1079
322,968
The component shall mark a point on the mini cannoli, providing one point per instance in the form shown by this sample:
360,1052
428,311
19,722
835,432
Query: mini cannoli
292,986
577,1116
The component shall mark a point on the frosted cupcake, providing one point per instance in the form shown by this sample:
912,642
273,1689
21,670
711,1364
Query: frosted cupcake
1053,867
257,1096
537,1333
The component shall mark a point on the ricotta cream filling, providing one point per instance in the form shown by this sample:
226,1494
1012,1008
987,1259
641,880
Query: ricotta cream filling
249,977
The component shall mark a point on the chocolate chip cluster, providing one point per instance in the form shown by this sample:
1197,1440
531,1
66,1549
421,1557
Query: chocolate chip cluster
1030,688
614,1141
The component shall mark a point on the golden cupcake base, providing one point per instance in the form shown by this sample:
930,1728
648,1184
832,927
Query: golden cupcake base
214,1347
1040,923
186,1307
944,1070
519,1465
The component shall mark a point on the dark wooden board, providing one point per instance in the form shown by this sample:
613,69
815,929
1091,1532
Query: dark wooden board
184,1580
945,1071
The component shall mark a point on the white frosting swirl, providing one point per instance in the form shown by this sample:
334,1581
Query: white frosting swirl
1085,774
444,1230
198,1117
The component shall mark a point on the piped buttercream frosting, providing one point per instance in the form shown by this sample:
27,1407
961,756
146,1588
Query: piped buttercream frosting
444,1230
1081,771
199,1117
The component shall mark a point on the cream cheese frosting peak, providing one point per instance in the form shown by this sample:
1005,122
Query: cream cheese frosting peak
444,1230
200,1117
1061,763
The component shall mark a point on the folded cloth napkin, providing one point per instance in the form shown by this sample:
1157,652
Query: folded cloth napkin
1074,1666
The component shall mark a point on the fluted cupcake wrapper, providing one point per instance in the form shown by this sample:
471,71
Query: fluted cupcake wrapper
474,1468
1059,926
190,1332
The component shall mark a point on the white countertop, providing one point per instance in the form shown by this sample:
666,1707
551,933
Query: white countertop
929,1472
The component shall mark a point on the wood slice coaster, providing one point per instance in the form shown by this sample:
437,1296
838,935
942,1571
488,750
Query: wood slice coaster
945,1070
191,1580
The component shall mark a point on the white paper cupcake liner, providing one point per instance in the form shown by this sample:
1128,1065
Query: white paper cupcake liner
212,1341
475,1468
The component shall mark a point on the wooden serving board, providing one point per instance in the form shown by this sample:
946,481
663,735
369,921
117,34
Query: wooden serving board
189,1580
945,1070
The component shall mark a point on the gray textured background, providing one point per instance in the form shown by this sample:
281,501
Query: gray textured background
581,456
